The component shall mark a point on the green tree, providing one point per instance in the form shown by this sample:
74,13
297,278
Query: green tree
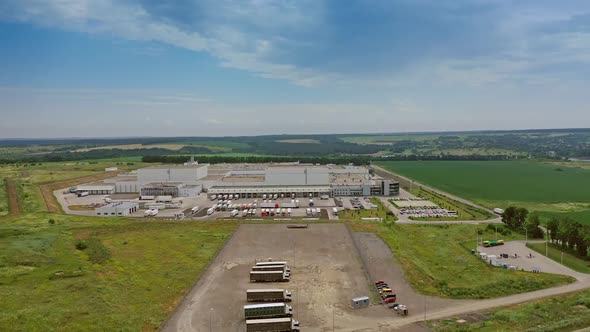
509,215
552,227
532,226
521,215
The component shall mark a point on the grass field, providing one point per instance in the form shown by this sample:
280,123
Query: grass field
539,186
560,313
436,261
569,260
3,198
129,277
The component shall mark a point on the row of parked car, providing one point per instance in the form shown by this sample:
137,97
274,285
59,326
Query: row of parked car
389,298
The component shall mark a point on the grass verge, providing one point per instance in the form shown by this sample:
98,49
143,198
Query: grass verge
436,262
569,260
560,313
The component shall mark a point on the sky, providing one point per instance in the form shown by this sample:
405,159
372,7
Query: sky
115,68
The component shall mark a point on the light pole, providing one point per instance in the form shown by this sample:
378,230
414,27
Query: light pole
562,258
526,235
547,244
496,232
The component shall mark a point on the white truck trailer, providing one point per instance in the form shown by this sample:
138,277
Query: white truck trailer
270,262
272,325
271,268
269,276
268,295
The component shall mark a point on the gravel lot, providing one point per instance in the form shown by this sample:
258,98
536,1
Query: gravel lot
326,273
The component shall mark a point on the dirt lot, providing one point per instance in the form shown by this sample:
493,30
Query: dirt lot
326,272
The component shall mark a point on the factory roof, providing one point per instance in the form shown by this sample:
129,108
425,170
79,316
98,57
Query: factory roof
177,166
95,186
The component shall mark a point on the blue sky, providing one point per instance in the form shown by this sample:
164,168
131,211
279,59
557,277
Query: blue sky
94,68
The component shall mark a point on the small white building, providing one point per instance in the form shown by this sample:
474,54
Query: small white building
360,302
117,209
111,169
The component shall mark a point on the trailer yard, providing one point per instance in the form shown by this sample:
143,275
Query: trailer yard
326,273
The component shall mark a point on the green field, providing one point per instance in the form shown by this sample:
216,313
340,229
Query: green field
3,197
539,186
560,313
129,278
569,260
437,261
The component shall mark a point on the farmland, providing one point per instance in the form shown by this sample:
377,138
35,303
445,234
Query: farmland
3,197
442,264
538,186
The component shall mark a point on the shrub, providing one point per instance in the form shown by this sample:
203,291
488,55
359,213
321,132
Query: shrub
51,221
81,245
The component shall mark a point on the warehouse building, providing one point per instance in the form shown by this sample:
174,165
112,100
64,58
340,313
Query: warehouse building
96,189
254,180
117,209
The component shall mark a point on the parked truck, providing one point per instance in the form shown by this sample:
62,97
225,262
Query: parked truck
269,276
270,262
272,325
267,310
493,243
271,268
268,295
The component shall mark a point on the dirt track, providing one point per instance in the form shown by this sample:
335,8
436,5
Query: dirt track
13,208
51,203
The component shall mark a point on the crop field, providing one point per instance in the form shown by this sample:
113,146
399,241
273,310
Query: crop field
90,274
442,265
538,186
560,313
173,147
387,139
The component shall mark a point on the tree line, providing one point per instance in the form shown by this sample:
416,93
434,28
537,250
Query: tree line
566,233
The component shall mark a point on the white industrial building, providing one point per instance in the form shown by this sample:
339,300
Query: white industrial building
254,180
96,189
117,209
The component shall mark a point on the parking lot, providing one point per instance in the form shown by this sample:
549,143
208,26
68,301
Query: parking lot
523,259
326,273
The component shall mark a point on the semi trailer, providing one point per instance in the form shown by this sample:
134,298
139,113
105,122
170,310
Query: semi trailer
493,243
267,310
268,295
271,263
271,268
269,276
272,325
